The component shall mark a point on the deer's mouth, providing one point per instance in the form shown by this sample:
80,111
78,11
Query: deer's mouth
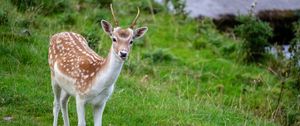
123,57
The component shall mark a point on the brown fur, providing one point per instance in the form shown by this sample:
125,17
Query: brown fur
74,58
123,33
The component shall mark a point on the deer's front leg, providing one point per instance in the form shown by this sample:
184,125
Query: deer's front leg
80,103
98,111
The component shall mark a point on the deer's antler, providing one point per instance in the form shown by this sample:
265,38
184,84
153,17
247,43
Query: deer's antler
113,14
135,19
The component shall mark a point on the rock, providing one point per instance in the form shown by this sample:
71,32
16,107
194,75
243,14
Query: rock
218,8
7,118
25,32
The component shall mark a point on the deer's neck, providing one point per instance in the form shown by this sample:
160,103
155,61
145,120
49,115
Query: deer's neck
108,75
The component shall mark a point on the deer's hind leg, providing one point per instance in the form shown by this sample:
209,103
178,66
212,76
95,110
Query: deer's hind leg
64,98
56,106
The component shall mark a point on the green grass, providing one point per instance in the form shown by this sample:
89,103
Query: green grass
166,81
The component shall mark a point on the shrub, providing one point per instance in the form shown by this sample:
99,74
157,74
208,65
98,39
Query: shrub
255,34
295,45
295,55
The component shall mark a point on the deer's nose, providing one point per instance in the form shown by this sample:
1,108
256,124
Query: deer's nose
123,53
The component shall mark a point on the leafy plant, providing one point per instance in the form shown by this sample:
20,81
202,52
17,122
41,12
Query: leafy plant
295,55
255,34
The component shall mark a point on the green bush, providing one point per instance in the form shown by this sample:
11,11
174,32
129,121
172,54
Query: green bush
255,34
295,57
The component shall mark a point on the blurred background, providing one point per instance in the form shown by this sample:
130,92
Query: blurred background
202,62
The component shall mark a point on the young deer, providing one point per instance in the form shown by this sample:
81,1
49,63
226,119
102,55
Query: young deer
76,70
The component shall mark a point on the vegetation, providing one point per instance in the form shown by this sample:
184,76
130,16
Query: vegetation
255,34
295,51
183,72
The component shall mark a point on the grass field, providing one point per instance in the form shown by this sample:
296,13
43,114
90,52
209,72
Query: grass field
183,72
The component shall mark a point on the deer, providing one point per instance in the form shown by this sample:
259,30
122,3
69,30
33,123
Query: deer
77,71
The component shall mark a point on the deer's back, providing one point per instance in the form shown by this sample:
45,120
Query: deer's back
70,55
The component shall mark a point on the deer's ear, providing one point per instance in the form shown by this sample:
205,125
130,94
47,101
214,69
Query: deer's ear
140,32
106,26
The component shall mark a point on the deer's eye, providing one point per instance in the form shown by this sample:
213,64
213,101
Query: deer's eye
131,42
114,40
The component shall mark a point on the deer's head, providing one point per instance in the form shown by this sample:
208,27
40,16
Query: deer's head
122,38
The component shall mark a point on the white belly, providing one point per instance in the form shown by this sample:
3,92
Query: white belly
65,82
102,86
